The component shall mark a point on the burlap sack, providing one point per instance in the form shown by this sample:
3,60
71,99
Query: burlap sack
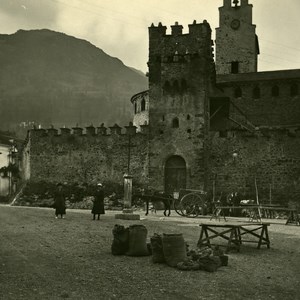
210,263
137,241
157,249
174,249
120,242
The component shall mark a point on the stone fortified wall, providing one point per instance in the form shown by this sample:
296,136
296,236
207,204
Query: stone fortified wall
271,156
95,155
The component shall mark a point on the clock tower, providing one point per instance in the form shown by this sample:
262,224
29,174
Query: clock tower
236,41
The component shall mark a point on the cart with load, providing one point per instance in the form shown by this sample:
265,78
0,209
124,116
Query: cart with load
190,203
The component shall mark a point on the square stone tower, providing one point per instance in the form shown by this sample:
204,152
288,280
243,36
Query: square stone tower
236,42
181,70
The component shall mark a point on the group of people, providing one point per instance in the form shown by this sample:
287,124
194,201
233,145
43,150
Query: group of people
60,202
232,199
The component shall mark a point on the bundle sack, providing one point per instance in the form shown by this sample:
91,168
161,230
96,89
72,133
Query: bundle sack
210,263
157,249
174,249
137,241
189,265
224,260
120,242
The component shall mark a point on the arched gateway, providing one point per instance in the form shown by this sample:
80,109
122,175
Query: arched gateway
175,174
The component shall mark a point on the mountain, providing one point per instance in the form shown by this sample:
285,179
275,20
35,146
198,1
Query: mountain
48,77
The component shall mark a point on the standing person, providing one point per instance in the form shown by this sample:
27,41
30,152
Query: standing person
98,206
59,202
236,202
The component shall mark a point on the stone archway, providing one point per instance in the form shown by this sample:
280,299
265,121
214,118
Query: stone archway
175,174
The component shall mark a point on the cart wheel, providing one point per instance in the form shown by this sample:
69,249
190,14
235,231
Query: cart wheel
191,205
178,207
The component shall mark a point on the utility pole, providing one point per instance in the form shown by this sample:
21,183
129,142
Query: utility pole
127,211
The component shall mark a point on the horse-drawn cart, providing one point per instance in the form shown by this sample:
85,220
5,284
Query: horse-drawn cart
190,203
151,196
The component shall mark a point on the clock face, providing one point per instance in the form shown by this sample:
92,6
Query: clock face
235,24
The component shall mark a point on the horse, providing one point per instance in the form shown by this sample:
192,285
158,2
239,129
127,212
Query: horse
156,196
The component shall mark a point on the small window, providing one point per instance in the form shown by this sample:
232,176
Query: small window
235,3
294,90
256,93
175,123
189,131
238,92
163,117
143,104
235,67
275,91
188,117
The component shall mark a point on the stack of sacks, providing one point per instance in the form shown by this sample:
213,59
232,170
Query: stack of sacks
205,258
172,250
131,241
168,248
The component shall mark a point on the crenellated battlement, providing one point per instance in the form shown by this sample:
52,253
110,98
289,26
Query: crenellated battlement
176,29
235,3
193,42
265,132
89,131
132,130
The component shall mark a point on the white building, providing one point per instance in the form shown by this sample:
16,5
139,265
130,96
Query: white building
5,178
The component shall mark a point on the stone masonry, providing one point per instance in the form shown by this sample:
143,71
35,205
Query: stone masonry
192,129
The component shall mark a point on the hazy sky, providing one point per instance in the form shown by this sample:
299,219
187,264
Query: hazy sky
120,27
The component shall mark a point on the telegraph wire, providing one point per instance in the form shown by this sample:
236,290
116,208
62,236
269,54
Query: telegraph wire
122,20
280,52
281,58
273,63
142,19
280,44
112,10
99,14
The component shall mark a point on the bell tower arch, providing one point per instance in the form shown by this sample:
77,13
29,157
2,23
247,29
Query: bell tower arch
236,40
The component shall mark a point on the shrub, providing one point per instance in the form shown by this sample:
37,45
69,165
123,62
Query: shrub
41,193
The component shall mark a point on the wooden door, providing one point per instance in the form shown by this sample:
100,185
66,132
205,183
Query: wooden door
175,174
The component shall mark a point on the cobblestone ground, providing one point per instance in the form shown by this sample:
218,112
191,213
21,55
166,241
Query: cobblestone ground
45,258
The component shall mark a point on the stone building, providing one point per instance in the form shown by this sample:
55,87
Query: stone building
200,124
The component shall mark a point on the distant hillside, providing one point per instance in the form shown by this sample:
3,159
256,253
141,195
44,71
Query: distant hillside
48,78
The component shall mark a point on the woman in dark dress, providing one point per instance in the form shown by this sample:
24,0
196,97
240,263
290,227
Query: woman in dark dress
59,202
98,206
